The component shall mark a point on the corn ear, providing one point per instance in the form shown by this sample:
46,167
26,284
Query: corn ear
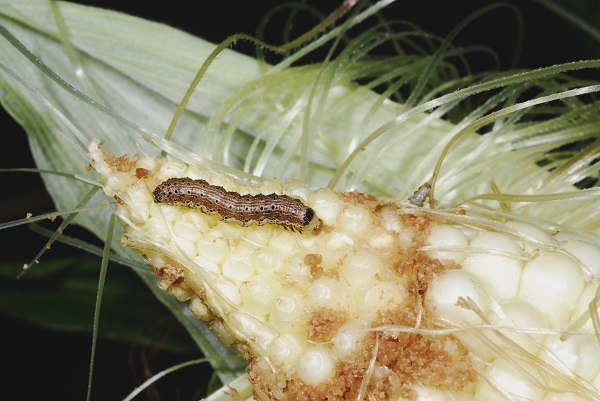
385,300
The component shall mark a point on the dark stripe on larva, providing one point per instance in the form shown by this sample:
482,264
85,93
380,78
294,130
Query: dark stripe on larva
288,212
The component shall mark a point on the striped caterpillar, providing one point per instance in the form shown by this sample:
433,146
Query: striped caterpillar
259,209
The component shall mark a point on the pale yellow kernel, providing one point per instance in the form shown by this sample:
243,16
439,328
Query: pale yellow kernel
337,241
430,393
495,263
447,243
207,264
315,365
213,246
296,269
259,293
148,163
172,168
327,205
142,202
259,236
446,289
188,248
230,230
167,212
270,187
286,349
355,220
347,339
222,332
328,293
157,229
583,307
255,329
239,267
587,254
361,270
382,297
534,237
552,282
504,376
195,173
379,238
189,226
519,315
579,354
296,189
288,312
283,242
268,261
200,309
227,291
391,220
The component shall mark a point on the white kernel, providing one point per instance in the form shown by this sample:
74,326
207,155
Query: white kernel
172,168
327,293
444,292
347,339
296,189
189,226
361,270
430,393
256,331
147,162
499,274
268,261
445,236
228,290
337,241
200,309
187,247
583,306
258,294
167,212
288,314
195,173
213,246
391,220
142,201
533,231
316,364
259,235
552,282
285,350
355,219
207,264
239,267
157,229
379,238
270,187
296,269
520,315
579,354
327,205
587,253
382,297
503,375
283,242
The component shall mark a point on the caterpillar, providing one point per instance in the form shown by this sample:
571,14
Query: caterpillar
246,210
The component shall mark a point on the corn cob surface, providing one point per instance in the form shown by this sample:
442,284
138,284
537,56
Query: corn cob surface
379,299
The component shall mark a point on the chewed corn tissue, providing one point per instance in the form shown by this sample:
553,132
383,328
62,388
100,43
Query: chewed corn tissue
378,299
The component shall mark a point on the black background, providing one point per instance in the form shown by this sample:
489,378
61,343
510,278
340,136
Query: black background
54,364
